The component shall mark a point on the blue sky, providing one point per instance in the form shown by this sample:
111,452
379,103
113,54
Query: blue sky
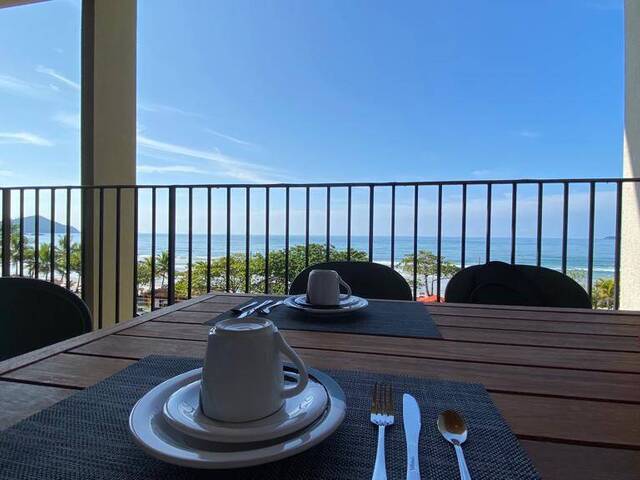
325,90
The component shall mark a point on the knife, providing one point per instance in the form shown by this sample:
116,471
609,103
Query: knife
253,310
243,307
411,423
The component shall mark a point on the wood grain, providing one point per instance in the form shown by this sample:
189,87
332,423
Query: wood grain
428,348
539,314
535,326
69,370
542,339
566,380
506,378
561,461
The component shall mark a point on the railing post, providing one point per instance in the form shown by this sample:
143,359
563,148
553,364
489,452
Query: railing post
171,271
6,232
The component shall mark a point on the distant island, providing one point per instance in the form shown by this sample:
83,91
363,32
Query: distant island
610,237
44,225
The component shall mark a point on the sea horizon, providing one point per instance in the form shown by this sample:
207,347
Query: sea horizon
526,248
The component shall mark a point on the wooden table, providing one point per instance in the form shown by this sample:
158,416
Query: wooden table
567,381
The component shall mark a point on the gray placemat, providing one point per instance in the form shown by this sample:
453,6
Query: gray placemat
86,436
380,317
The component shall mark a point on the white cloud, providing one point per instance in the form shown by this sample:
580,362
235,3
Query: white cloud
24,137
20,87
6,173
481,173
225,165
230,138
58,76
71,120
160,108
168,169
529,133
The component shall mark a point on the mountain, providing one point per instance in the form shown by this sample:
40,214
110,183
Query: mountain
44,227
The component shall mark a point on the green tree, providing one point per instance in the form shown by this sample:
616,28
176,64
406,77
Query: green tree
603,293
257,261
75,260
44,261
161,269
579,276
27,249
427,268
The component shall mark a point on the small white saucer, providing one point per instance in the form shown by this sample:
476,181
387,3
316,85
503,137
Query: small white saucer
182,411
352,304
157,438
344,301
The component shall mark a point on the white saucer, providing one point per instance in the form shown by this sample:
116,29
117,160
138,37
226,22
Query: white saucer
357,304
156,437
182,411
344,302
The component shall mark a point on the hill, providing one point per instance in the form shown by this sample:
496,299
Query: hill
44,225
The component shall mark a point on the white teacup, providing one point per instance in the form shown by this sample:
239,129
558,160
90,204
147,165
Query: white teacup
323,287
242,377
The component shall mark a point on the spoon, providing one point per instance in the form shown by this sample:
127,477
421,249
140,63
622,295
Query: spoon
267,310
453,429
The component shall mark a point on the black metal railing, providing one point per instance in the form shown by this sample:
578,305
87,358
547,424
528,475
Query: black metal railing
108,214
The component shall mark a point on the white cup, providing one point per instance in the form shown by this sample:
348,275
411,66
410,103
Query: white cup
242,377
323,287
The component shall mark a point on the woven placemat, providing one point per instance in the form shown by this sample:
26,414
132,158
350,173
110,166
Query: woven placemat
86,436
380,317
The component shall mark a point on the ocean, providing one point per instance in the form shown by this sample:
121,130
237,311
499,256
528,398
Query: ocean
577,248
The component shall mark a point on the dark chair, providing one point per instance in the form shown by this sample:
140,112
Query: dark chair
366,279
35,313
498,283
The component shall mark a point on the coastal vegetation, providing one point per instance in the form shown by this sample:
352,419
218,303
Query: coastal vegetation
426,264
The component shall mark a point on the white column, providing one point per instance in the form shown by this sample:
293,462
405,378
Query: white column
109,148
630,238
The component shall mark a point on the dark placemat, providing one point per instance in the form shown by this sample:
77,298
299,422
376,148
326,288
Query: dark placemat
380,317
86,436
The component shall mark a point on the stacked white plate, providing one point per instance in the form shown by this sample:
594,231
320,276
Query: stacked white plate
346,305
168,424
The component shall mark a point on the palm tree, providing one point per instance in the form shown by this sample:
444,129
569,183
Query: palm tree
27,250
44,261
162,267
75,259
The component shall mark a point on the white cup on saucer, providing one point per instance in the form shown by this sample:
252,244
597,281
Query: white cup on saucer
323,287
242,376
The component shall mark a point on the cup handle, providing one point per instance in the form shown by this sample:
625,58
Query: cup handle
346,286
303,375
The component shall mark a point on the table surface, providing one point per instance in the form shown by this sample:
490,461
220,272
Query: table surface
566,380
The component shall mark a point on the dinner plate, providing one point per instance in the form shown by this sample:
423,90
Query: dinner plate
344,302
358,304
182,411
159,439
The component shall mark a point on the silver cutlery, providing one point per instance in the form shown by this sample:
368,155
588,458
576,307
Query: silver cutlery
382,416
453,429
267,310
412,424
244,307
251,311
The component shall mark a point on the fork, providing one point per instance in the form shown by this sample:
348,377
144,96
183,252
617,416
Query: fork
382,416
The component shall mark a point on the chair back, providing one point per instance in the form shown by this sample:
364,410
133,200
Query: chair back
366,279
35,313
499,283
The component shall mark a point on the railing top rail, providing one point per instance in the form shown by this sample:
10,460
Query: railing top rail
425,183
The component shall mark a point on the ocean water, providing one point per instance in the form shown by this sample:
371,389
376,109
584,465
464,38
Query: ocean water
475,252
